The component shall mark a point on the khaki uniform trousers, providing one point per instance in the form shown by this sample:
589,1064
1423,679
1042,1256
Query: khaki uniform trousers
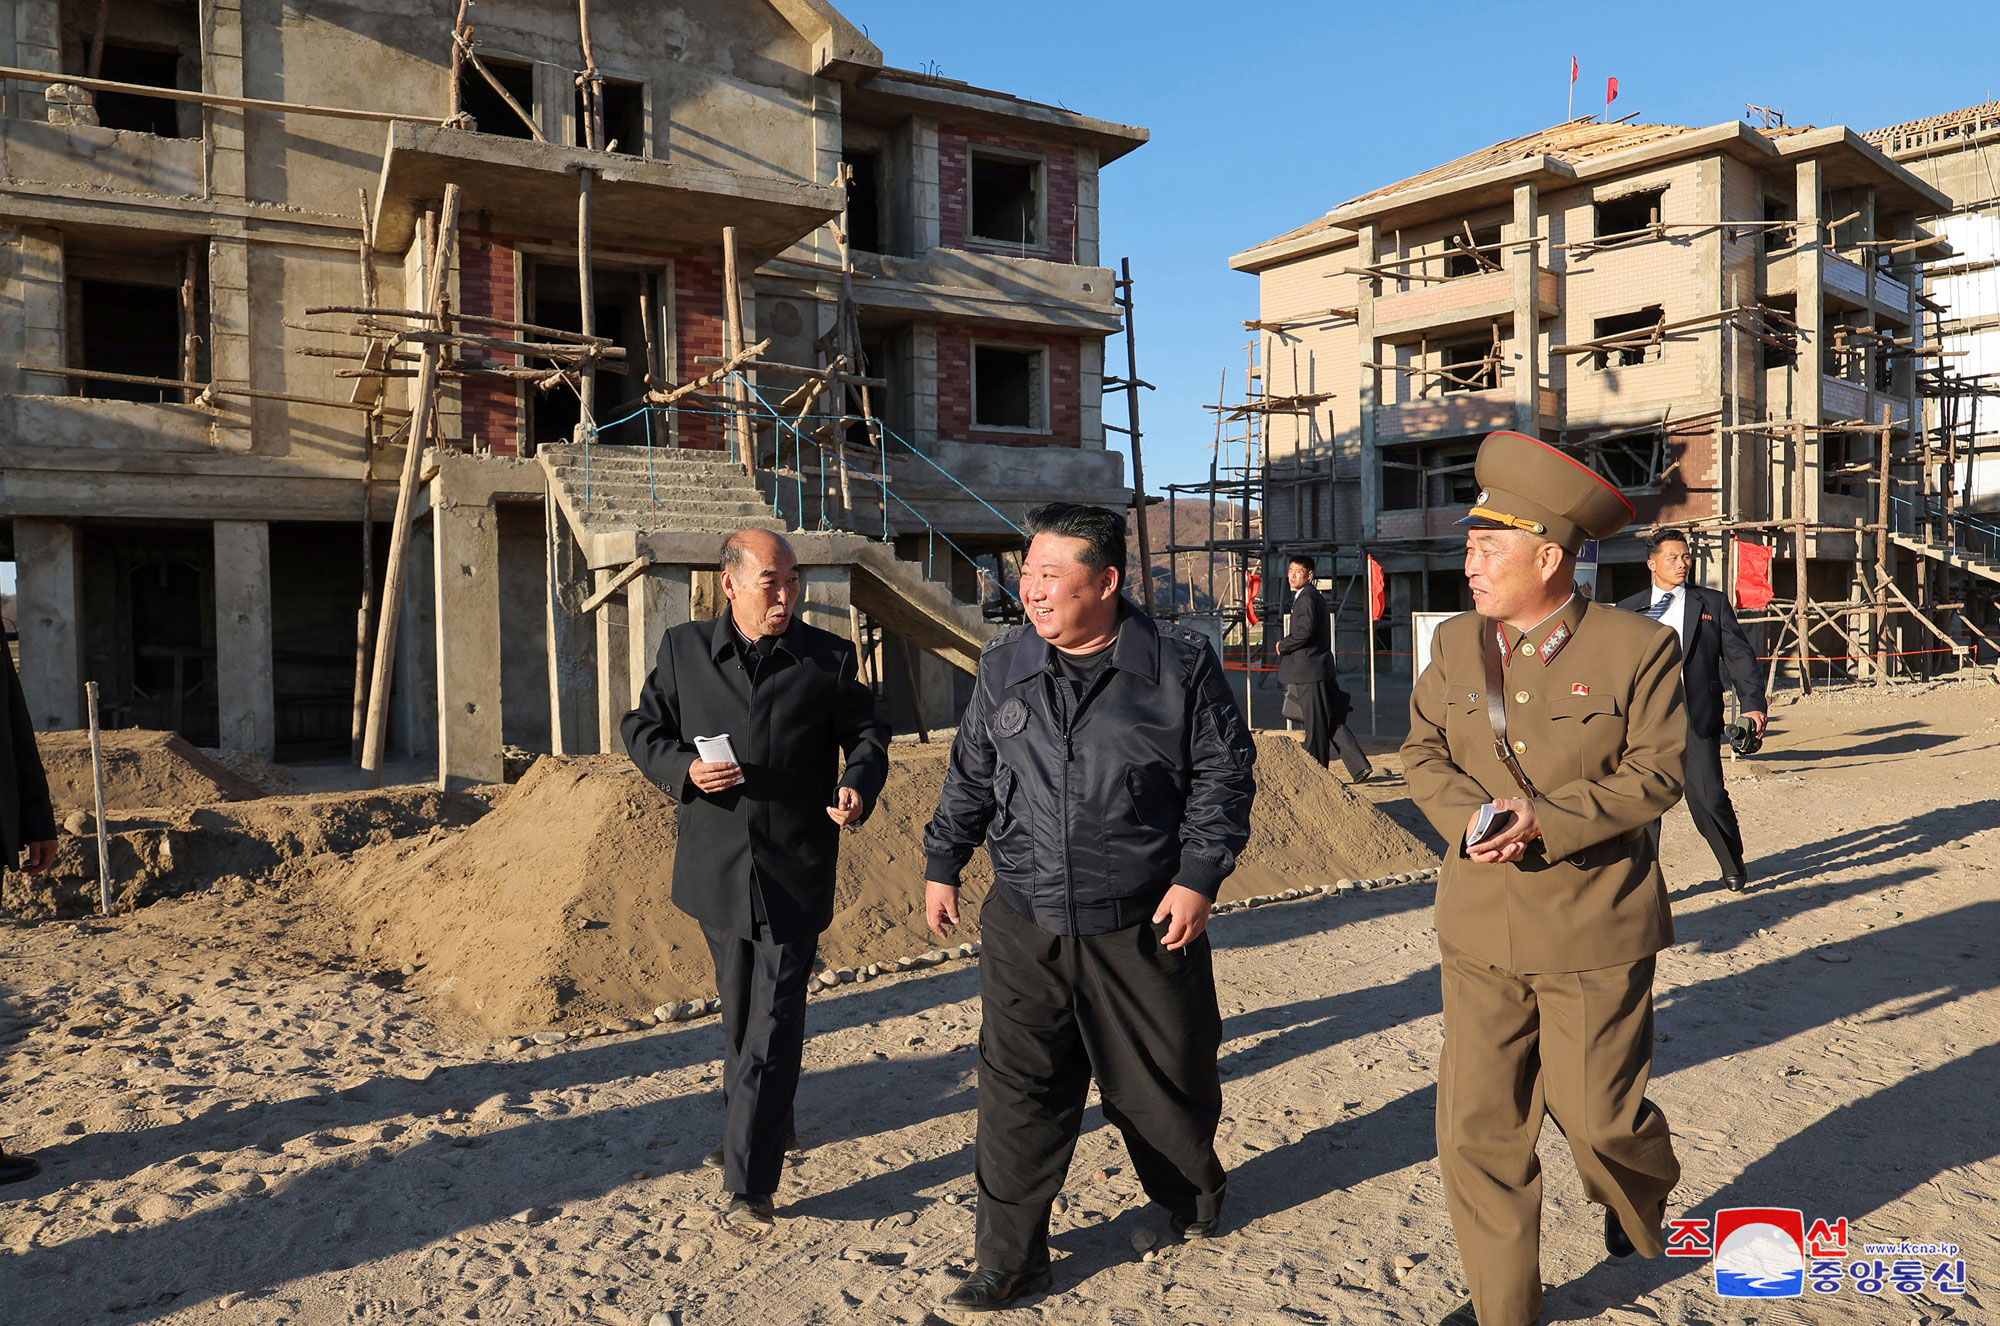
1578,1045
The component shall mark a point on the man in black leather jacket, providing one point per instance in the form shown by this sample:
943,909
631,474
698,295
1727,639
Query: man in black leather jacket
1106,767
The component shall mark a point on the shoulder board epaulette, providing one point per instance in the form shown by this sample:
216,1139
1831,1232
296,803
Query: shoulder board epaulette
1007,636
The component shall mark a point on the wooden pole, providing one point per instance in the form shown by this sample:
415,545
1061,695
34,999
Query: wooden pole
457,100
587,298
372,426
97,792
421,423
10,73
1881,595
732,302
1800,628
592,83
1132,421
96,65
190,337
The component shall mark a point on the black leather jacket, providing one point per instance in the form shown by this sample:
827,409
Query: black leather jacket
1090,810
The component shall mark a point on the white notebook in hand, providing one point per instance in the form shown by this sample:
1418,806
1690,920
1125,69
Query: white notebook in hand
715,750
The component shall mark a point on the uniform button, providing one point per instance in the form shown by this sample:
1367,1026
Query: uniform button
1520,748
1520,697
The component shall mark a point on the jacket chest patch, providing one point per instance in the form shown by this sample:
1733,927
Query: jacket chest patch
1579,689
1010,718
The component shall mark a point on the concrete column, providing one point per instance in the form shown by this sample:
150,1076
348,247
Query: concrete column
1808,370
39,284
35,42
227,177
571,637
1708,279
466,565
827,594
413,698
1090,383
245,702
614,665
923,415
48,611
661,597
1086,208
1367,380
922,188
827,139
1525,267
230,348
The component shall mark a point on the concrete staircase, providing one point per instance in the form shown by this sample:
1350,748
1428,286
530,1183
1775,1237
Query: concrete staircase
1953,557
673,507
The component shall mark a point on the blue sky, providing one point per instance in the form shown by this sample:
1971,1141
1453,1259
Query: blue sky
1257,129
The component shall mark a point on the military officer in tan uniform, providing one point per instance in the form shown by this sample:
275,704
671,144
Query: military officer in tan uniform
1547,928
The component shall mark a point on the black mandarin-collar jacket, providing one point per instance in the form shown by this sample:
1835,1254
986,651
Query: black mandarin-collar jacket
790,729
1090,811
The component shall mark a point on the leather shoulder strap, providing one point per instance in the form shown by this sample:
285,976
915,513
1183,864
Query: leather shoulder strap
1496,707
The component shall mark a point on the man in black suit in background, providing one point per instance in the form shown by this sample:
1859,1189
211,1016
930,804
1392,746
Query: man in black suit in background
1306,667
755,858
27,824
1712,644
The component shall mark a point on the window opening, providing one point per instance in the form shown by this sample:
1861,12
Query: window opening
1005,200
1619,217
1006,387
1632,462
1471,366
128,328
489,110
864,205
1777,238
1471,257
134,111
624,118
1638,352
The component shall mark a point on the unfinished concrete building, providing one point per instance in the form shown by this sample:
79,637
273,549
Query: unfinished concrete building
627,275
1725,321
1958,154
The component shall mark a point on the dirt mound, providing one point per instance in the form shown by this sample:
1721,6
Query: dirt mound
142,768
555,906
239,846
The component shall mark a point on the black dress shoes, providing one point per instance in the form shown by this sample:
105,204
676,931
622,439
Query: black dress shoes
13,1169
1462,1315
1196,1229
990,1291
750,1216
1736,880
1616,1242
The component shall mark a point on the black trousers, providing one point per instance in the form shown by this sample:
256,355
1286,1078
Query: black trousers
1325,706
763,990
1058,1010
1709,804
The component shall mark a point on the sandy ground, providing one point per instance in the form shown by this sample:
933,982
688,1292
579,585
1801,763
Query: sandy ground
239,1126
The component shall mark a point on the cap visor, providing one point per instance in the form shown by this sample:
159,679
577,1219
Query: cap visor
1479,522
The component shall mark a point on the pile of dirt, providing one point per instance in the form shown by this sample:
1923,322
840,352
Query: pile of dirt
555,906
142,768
236,846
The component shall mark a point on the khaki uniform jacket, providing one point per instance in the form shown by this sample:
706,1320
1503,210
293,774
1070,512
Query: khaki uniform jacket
1601,729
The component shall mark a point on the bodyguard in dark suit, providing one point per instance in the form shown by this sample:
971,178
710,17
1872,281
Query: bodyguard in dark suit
1713,646
1306,667
758,838
27,824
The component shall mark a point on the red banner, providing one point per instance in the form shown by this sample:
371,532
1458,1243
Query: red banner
1253,585
1610,90
1753,575
1378,592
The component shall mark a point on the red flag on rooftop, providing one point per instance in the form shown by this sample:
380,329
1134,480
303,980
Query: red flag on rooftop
1753,575
1610,95
1572,69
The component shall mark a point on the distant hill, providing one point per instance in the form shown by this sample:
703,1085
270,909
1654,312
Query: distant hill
1191,569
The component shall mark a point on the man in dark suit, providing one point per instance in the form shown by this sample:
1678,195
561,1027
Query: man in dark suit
1713,645
759,836
1306,667
27,824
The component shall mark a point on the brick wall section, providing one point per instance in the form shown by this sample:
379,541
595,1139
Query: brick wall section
697,331
954,389
488,285
489,410
955,147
